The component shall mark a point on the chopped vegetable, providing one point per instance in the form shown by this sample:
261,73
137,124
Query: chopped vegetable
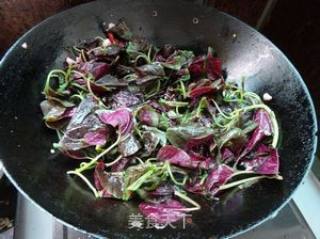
159,124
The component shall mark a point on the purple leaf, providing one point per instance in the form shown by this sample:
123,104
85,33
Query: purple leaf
82,122
56,116
166,212
97,69
227,155
214,66
151,142
217,177
75,154
79,137
120,165
202,90
121,118
69,112
53,112
162,193
148,116
178,60
152,137
209,65
107,83
195,185
179,157
107,53
197,67
129,146
107,183
163,190
179,136
155,104
195,143
98,137
205,87
265,161
124,99
264,129
154,69
85,108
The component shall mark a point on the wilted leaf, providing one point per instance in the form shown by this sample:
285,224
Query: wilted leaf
129,146
166,212
265,161
109,184
178,136
121,118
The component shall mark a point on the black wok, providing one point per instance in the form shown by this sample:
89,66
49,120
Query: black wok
40,176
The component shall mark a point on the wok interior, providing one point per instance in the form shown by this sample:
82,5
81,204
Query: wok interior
25,145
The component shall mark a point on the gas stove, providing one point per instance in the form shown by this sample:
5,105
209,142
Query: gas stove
297,220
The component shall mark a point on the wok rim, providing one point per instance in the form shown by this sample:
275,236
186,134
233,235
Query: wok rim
247,228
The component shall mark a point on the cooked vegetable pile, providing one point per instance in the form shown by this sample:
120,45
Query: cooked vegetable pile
159,124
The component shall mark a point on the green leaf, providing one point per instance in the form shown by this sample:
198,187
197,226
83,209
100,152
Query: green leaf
160,134
180,59
164,121
137,175
232,134
174,103
178,136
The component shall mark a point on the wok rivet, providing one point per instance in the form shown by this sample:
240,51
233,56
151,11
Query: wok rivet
154,13
111,25
24,45
195,20
267,97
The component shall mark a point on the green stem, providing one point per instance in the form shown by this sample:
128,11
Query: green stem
86,166
149,53
88,81
95,192
242,181
183,89
50,75
143,56
114,161
135,185
168,167
220,111
189,200
174,103
140,160
275,126
237,173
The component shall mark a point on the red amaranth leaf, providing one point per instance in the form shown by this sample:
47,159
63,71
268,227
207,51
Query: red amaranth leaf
217,177
97,69
180,158
121,118
265,161
214,66
166,212
97,137
108,183
197,67
264,129
148,116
